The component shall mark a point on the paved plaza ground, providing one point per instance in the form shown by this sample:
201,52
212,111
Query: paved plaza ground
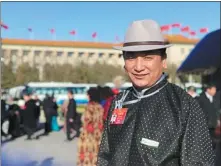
51,150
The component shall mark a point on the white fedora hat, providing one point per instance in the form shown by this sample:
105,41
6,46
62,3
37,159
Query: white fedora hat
143,35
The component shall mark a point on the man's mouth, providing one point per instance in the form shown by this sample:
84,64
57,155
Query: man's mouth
139,76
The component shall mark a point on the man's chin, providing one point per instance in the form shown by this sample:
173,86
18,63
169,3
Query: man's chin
140,84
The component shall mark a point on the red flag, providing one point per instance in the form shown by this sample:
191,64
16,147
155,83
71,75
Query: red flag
30,29
192,33
203,30
94,35
4,25
52,31
72,32
165,28
176,25
185,29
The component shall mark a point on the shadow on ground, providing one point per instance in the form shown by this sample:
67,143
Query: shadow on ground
22,133
46,162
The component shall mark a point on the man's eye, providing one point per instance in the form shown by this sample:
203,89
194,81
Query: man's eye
146,57
129,56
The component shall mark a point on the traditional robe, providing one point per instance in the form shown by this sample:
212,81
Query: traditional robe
164,126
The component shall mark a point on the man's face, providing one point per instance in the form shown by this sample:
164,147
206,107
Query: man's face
144,68
190,92
212,91
35,97
26,97
70,95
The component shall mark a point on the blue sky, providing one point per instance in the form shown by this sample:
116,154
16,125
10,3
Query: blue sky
108,19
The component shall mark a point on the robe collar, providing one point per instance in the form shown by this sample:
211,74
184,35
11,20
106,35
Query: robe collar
160,84
154,88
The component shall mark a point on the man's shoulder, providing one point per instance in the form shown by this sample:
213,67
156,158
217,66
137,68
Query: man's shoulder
32,101
183,96
72,100
189,105
178,90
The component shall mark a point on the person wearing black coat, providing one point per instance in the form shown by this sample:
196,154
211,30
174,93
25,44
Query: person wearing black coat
72,117
3,109
55,106
38,104
14,120
29,115
154,122
4,115
49,107
211,106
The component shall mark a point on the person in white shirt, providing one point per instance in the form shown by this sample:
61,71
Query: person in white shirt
210,105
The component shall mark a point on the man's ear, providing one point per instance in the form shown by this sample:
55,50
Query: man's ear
164,63
125,69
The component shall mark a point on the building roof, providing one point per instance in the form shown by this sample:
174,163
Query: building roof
174,39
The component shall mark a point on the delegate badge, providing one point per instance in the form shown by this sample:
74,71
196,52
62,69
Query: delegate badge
118,116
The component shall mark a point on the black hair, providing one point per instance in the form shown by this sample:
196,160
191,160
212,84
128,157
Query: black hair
107,92
94,94
25,93
161,52
191,88
70,91
209,85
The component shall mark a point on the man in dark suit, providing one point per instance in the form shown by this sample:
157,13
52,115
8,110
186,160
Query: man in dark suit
38,104
30,115
4,115
72,118
210,105
49,107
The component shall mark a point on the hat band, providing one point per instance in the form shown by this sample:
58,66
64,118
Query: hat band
146,43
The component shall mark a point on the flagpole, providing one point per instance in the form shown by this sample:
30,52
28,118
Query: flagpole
33,35
180,29
53,35
94,39
75,36
189,36
29,35
170,29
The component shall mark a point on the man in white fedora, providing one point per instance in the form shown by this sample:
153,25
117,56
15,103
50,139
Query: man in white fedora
153,123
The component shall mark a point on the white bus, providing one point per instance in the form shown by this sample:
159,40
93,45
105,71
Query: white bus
15,92
197,86
124,86
59,90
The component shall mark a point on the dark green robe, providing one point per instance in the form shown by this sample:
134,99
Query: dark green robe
164,126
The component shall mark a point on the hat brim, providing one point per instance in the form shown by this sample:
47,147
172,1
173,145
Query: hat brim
141,47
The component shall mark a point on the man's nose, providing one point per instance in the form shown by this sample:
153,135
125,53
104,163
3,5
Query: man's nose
139,66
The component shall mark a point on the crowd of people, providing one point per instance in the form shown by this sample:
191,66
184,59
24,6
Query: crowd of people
25,118
23,115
